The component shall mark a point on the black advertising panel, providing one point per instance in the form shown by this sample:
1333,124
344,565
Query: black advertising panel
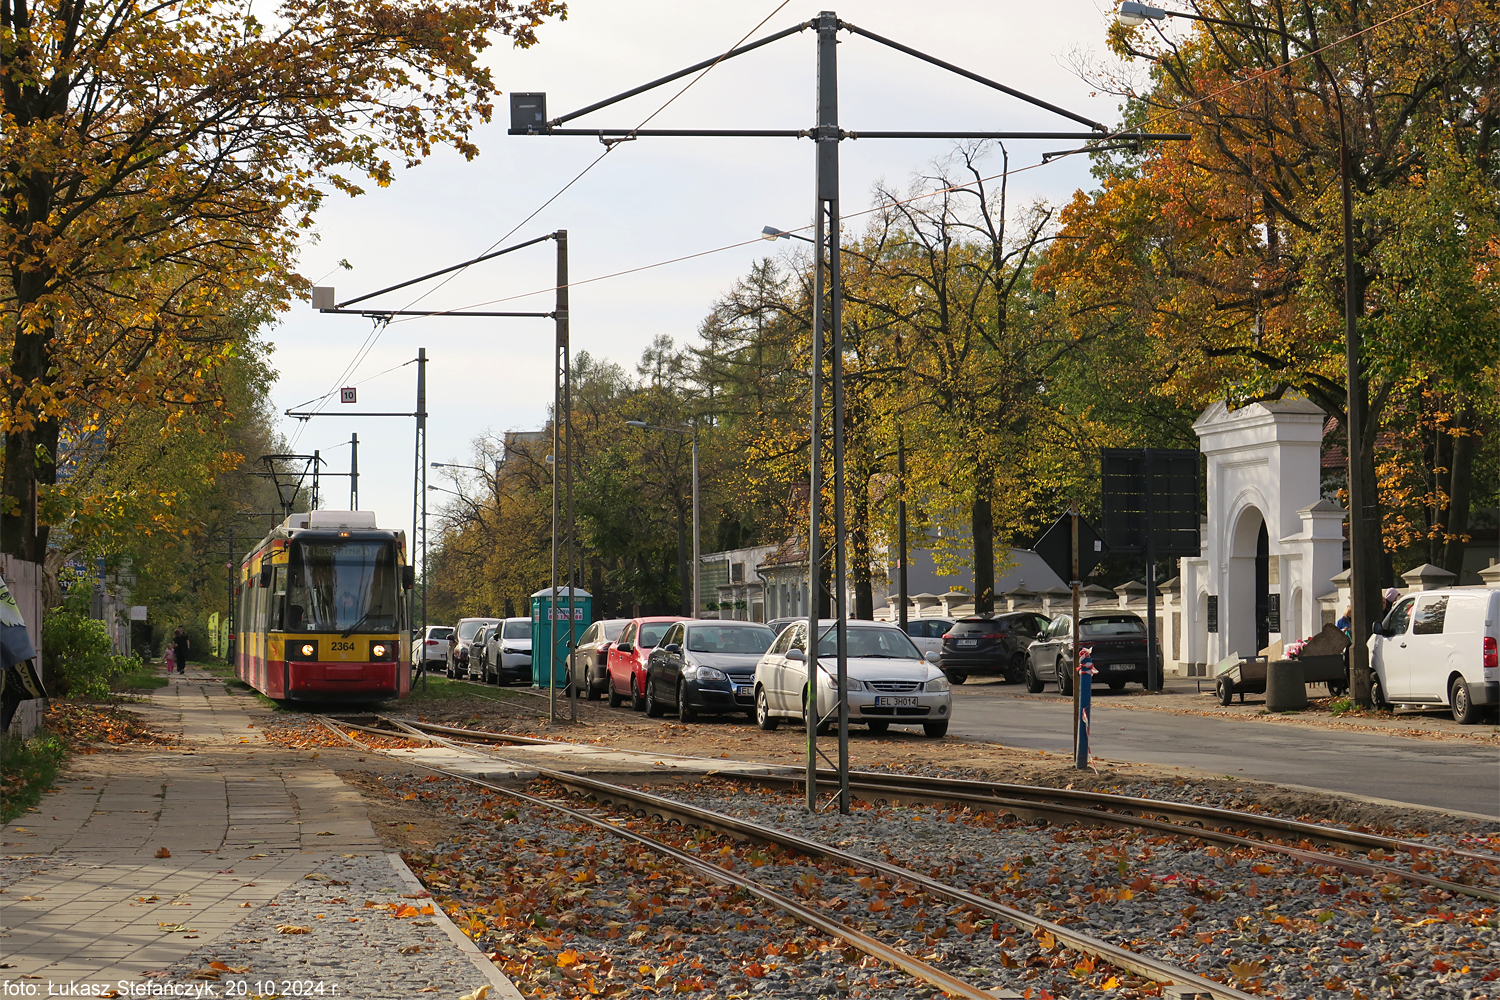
1055,546
1273,612
1213,612
1155,487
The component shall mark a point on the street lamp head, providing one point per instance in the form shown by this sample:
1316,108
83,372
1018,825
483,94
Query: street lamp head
438,465
771,233
1133,13
641,424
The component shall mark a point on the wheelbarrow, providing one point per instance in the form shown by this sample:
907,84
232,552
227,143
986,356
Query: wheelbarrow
1245,676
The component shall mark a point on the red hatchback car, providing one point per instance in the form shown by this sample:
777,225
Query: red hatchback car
627,659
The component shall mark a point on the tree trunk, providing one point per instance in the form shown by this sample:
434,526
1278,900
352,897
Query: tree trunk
1460,491
859,546
982,522
823,600
30,454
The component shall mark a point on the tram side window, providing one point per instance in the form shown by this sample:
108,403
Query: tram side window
278,600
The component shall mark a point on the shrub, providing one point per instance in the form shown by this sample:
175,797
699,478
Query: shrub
79,658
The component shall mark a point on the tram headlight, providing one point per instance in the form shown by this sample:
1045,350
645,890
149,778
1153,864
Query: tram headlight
308,649
302,649
378,650
382,649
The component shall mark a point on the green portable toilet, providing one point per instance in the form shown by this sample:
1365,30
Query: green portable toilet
543,658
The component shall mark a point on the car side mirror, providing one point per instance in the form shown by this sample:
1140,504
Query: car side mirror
930,656
626,647
672,648
796,656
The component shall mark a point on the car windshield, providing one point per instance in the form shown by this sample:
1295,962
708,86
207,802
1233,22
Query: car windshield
750,639
612,630
466,630
651,633
876,643
518,630
346,585
1096,628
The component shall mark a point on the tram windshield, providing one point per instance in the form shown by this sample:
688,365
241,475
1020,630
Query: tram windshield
348,586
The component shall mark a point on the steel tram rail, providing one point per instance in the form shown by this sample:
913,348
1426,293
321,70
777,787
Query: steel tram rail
1105,808
646,804
951,985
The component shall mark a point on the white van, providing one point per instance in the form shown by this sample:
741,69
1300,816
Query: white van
1441,647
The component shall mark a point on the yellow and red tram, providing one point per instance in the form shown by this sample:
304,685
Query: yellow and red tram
324,607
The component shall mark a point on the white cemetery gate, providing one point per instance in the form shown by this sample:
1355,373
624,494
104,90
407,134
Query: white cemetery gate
1271,542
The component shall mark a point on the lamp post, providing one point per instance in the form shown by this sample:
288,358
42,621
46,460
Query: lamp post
773,234
1364,547
691,432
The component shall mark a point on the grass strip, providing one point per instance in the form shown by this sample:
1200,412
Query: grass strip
27,769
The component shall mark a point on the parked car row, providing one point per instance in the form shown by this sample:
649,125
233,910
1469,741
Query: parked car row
490,649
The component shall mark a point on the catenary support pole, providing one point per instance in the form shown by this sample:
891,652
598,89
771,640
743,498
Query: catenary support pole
560,328
422,474
697,535
901,594
354,472
1073,583
567,410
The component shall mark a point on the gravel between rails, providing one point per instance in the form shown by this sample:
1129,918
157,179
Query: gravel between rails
359,943
567,910
1240,916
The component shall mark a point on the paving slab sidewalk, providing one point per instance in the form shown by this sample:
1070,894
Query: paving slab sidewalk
145,857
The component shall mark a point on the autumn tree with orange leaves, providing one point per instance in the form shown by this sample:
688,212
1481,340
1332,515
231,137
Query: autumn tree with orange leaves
1226,250
159,163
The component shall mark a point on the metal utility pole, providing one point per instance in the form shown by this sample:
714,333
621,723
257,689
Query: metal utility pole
566,365
324,301
354,472
1080,697
529,117
828,202
901,528
697,535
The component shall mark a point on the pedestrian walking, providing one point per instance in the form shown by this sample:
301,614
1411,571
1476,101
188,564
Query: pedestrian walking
180,646
169,657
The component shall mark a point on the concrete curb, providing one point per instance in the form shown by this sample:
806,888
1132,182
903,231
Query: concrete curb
502,984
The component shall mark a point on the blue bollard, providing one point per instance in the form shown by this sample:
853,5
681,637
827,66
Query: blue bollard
1086,673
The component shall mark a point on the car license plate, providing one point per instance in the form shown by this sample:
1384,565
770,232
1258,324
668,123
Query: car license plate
1122,666
887,702
743,690
968,642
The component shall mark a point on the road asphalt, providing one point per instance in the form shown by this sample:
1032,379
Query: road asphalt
1440,774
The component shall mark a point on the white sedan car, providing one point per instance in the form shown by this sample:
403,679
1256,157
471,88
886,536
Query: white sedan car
889,681
431,648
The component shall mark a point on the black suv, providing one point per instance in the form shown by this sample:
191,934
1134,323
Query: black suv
990,645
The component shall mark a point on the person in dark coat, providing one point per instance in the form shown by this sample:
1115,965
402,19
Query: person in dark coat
180,647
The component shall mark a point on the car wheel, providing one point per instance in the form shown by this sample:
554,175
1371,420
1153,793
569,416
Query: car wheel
616,699
1015,672
954,677
636,701
596,690
1064,679
654,708
685,712
1465,712
878,726
1033,682
1225,691
1377,694
1117,683
936,730
763,716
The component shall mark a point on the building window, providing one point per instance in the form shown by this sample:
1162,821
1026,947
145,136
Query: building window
736,572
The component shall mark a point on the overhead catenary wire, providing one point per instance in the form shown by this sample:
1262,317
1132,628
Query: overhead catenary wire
884,206
374,336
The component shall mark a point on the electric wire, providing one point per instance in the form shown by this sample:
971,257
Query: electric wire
370,341
885,206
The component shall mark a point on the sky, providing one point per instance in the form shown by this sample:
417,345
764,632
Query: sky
650,200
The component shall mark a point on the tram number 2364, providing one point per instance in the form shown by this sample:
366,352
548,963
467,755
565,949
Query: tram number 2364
341,647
